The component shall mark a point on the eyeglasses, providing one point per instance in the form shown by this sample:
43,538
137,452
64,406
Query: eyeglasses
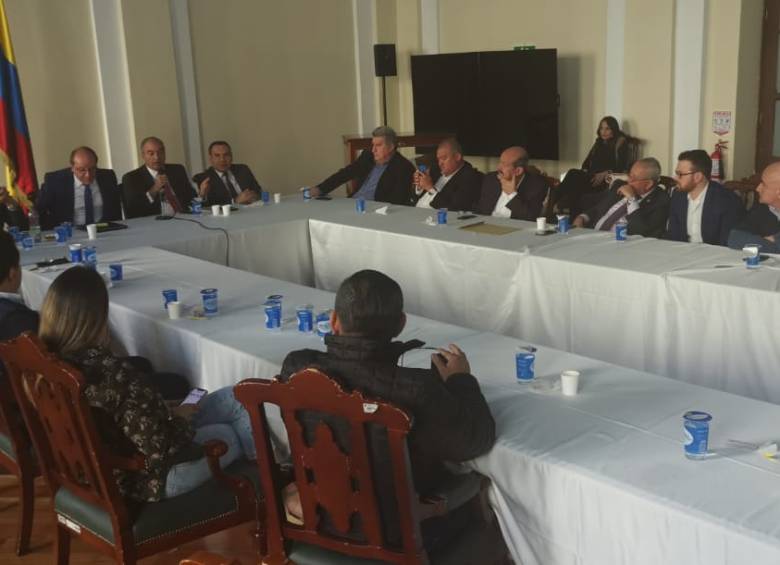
679,174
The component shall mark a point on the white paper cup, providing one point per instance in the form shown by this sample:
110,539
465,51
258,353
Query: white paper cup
226,210
541,224
92,231
216,209
277,197
174,310
570,382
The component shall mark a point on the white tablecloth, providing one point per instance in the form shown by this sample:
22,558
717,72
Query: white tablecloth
595,479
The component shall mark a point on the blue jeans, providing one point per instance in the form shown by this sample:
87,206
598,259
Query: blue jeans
220,416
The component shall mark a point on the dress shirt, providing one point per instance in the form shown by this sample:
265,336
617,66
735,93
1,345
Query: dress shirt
633,206
79,208
695,207
12,296
775,211
426,199
165,208
368,190
501,211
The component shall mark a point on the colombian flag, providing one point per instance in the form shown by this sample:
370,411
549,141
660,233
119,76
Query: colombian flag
14,135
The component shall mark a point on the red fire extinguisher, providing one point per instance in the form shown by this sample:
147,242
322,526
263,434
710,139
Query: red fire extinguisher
718,170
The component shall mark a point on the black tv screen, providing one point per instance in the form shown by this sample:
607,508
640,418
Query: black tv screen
490,100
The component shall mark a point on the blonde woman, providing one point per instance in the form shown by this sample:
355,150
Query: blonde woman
132,414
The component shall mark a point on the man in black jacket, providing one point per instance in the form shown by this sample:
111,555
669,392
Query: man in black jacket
11,212
761,226
156,186
640,201
382,174
512,191
225,182
80,194
15,317
455,187
452,421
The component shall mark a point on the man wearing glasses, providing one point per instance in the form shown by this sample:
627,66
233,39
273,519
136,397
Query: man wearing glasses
640,202
81,194
701,210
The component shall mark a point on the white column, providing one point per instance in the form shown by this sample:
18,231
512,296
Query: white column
429,26
615,60
689,22
185,78
364,28
114,82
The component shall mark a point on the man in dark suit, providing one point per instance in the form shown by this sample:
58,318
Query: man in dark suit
761,226
456,184
701,210
11,213
15,317
383,174
156,187
225,182
640,201
512,191
81,194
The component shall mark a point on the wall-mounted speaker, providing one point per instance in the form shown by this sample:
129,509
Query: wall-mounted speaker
384,60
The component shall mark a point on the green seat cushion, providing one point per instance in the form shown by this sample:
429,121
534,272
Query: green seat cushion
6,446
155,519
305,554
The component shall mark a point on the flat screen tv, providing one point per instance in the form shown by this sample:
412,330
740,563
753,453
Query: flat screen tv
490,99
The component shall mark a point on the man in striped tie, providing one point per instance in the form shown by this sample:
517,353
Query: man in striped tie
640,201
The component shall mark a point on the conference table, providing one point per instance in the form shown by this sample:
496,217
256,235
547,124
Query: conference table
597,478
686,311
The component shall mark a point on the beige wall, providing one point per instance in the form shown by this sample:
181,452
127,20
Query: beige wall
57,66
277,80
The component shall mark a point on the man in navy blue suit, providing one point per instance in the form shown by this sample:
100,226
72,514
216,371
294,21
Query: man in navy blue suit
15,317
761,226
81,194
701,210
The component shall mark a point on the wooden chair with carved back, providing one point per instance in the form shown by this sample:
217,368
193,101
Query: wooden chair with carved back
79,469
345,517
16,457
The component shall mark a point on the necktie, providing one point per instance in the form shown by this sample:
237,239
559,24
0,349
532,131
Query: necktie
230,186
170,196
89,207
619,212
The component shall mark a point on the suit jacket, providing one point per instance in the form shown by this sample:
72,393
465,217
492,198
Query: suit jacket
722,209
13,218
758,223
394,186
461,192
137,182
56,199
648,221
218,192
527,205
16,318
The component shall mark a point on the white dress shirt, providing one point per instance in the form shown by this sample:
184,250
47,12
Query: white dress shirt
79,208
501,211
229,174
426,199
695,208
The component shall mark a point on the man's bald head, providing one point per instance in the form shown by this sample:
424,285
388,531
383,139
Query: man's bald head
83,164
769,189
513,162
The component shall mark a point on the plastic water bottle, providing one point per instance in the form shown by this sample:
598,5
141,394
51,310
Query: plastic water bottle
35,226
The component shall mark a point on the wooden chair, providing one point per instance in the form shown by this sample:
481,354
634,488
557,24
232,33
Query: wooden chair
338,484
208,558
79,470
746,189
16,457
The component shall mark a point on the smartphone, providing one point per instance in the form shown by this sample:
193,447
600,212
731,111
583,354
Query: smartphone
52,262
324,198
467,216
195,396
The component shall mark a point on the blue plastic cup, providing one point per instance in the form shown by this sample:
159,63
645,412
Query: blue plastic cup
752,256
89,256
305,315
74,253
69,226
116,272
307,193
210,303
61,235
441,216
196,206
273,314
323,324
360,205
621,230
265,196
563,224
524,366
27,241
696,426
169,295
14,232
